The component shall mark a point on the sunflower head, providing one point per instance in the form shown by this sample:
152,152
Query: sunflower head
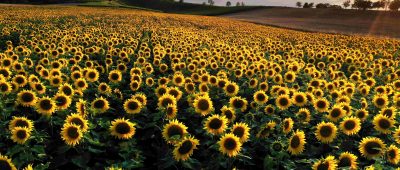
46,106
350,125
203,105
71,134
122,128
79,120
20,134
297,142
184,149
132,106
215,124
383,124
230,145
326,132
174,131
371,147
242,131
100,105
20,122
6,164
347,159
283,102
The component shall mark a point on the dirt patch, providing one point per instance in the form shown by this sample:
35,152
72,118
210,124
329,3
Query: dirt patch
376,23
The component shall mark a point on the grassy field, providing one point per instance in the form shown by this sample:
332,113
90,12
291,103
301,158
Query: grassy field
379,23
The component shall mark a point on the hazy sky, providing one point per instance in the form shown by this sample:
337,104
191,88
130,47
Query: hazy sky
269,2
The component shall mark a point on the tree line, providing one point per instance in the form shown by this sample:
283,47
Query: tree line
393,5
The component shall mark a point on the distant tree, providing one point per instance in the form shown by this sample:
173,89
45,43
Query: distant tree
335,7
394,5
180,1
308,5
228,3
204,3
298,4
242,4
322,5
346,3
362,4
237,3
378,4
211,2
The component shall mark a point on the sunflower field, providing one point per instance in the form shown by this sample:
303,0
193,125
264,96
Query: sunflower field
103,88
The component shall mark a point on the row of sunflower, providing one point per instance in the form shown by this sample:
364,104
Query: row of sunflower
84,88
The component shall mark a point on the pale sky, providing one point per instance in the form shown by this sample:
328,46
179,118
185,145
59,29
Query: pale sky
290,3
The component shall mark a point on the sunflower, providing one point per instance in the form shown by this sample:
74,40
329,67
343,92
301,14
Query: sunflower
380,101
260,97
347,159
184,149
161,90
71,134
66,89
287,125
269,109
141,98
231,89
174,91
77,119
383,124
362,114
46,106
203,105
371,147
56,81
336,113
20,122
238,103
81,107
26,98
62,101
297,142
304,115
100,105
81,84
115,76
104,88
28,167
20,80
122,128
290,76
393,154
326,132
283,102
390,112
6,164
229,113
178,79
216,124
329,163
242,131
166,99
171,111
39,88
92,75
230,145
174,131
190,87
350,125
20,134
396,135
132,106
299,99
321,105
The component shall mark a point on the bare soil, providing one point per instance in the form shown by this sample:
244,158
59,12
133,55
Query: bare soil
375,23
